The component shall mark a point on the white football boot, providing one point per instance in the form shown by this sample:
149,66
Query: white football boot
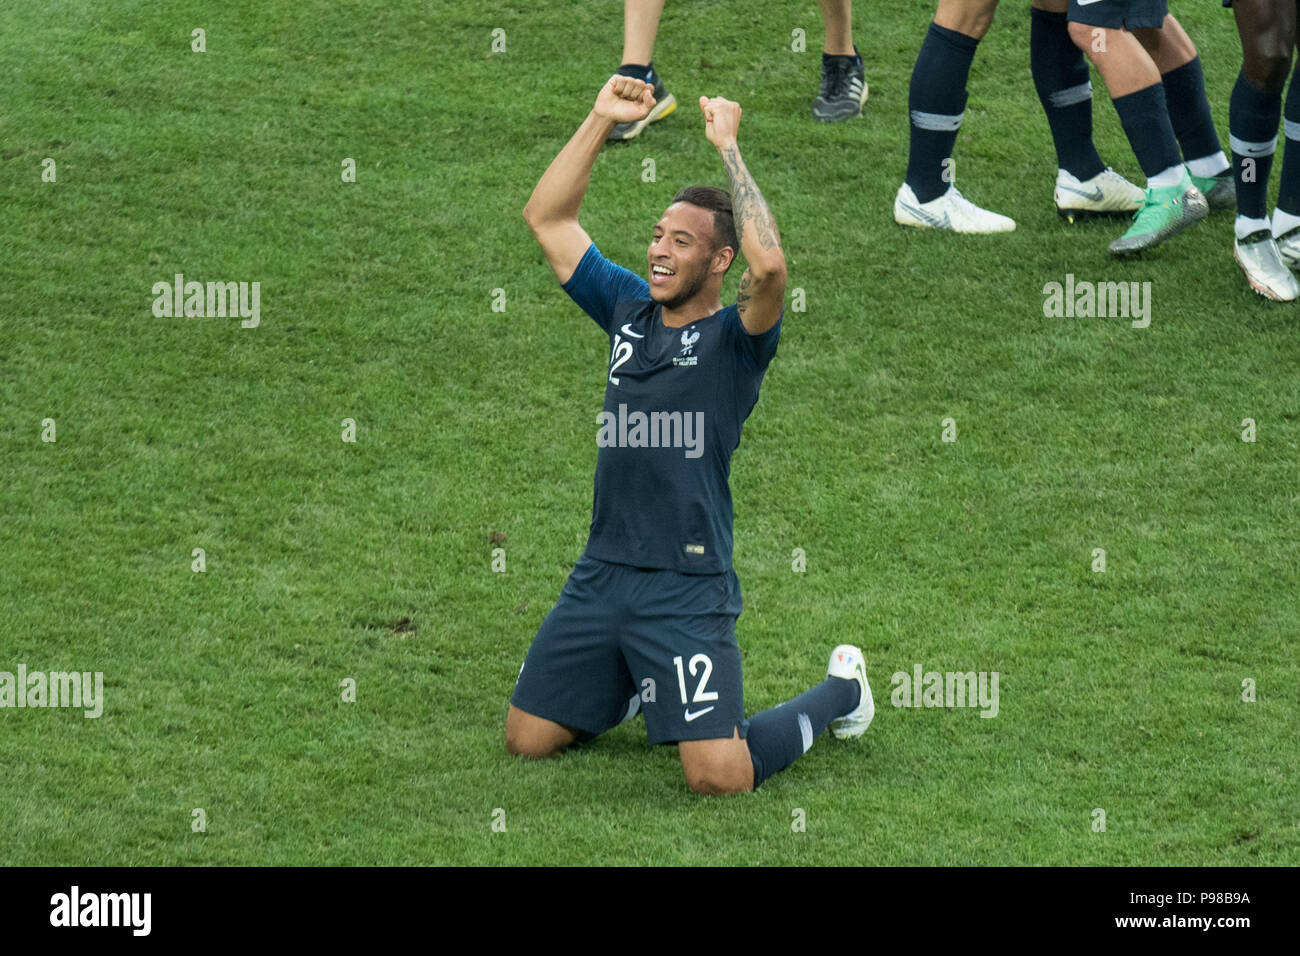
847,662
1288,244
1268,274
1106,194
951,211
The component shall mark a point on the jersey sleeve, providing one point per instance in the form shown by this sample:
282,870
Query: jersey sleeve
759,349
597,285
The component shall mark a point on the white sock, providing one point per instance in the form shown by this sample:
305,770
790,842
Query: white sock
1209,165
1244,226
1170,177
1284,222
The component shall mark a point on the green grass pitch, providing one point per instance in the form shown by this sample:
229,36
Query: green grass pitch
371,560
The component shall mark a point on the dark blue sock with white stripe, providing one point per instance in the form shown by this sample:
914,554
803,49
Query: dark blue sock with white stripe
1065,90
936,100
780,736
1288,194
1253,116
1146,123
1189,114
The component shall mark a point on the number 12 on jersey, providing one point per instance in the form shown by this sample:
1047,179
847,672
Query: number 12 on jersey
701,694
621,352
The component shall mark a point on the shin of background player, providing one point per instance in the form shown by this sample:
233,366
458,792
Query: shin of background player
1266,251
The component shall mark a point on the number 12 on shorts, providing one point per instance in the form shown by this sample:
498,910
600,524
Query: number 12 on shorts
702,694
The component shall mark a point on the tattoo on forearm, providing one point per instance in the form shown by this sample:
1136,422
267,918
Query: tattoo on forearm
747,203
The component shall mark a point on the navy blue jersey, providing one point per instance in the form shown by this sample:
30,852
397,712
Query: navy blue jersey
675,401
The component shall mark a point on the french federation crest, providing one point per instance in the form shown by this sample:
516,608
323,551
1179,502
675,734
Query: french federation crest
686,357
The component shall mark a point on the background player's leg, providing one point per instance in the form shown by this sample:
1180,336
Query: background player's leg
1085,186
936,103
1175,56
844,82
1286,217
1267,31
1133,82
1061,79
937,92
837,17
1169,45
640,26
970,17
1139,97
1172,203
1121,60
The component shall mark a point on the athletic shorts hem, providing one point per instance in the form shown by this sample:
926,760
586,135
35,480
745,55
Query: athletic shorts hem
1119,14
555,718
703,733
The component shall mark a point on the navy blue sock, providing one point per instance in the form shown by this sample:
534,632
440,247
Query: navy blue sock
1288,194
1146,123
827,57
638,71
936,101
780,736
1253,115
1065,90
1189,111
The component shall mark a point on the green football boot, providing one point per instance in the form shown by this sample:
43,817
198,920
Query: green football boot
1220,191
1167,211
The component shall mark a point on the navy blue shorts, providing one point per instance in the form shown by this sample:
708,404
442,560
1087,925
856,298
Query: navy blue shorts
1119,14
618,630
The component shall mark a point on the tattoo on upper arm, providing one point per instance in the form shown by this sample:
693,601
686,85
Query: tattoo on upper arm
747,203
743,295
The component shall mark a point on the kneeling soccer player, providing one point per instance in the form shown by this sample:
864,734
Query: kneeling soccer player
648,616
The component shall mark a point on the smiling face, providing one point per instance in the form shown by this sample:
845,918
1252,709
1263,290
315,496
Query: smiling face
682,256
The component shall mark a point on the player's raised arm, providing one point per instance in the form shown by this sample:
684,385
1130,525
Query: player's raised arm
552,210
762,287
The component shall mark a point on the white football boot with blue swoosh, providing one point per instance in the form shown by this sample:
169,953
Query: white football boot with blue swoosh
1106,194
847,662
951,211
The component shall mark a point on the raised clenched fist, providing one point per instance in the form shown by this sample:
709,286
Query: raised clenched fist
625,99
721,120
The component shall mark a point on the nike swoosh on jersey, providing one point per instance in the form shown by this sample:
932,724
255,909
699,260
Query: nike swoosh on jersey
627,330
701,713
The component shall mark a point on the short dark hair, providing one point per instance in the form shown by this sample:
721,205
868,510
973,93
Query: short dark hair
718,201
